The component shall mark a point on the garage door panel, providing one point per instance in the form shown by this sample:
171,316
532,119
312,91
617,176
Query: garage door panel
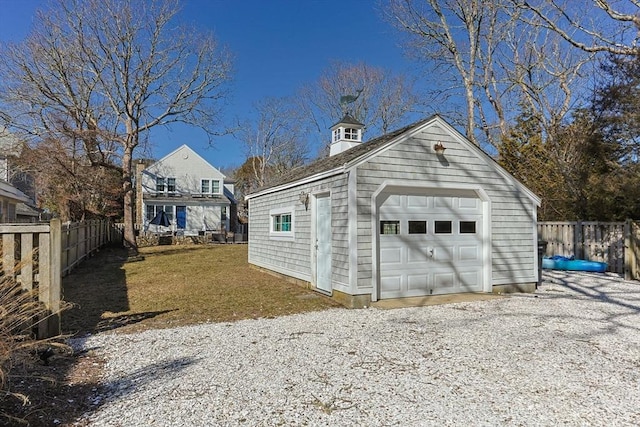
390,255
469,253
443,202
468,204
443,254
418,261
417,255
417,201
444,280
391,283
418,282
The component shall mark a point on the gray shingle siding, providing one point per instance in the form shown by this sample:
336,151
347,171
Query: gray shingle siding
403,158
294,257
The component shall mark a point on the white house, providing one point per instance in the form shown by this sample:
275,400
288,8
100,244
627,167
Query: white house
417,212
193,194
17,189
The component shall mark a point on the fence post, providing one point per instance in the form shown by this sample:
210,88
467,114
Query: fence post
627,250
55,283
578,244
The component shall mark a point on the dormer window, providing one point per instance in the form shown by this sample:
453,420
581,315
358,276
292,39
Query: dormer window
210,186
159,185
171,185
165,185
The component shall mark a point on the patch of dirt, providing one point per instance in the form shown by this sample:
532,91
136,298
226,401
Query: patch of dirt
60,392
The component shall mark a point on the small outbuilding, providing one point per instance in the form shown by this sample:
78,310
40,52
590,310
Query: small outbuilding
420,211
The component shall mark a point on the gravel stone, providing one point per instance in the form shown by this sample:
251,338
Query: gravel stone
567,355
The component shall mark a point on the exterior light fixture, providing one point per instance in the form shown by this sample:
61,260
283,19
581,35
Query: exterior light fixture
304,199
439,148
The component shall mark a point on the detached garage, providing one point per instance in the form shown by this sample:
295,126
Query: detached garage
417,212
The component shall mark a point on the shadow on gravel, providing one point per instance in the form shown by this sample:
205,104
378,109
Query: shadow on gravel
160,371
599,290
600,287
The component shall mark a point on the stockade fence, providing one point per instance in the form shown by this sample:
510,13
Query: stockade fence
37,256
616,243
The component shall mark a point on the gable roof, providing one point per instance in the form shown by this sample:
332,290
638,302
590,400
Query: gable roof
191,151
338,163
338,160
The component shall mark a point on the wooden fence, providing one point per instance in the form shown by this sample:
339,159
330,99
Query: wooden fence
616,243
39,255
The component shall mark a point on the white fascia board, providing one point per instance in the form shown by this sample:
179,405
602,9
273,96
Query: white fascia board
307,180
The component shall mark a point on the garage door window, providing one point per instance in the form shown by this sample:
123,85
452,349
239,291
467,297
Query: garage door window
467,227
389,227
417,227
442,227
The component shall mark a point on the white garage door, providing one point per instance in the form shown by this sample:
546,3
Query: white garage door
430,244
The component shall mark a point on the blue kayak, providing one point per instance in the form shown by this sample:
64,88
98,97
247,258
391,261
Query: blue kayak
558,262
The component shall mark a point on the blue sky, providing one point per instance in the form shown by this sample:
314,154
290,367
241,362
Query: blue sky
277,44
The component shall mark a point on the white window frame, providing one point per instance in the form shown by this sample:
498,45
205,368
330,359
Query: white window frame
336,135
282,235
161,184
211,185
174,185
352,134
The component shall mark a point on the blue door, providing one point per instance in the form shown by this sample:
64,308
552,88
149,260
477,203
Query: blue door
181,217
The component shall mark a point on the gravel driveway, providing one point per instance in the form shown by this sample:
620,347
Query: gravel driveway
567,355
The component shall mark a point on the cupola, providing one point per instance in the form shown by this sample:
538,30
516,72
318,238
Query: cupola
345,134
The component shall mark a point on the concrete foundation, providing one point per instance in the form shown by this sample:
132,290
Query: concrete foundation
352,301
515,288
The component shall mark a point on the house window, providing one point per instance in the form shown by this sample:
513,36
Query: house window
282,223
205,187
389,227
210,186
336,135
169,210
159,185
153,210
171,185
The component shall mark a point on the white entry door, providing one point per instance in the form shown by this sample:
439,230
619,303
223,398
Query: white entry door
430,244
323,243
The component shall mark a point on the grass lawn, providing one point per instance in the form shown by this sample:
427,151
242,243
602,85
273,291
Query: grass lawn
172,286
175,286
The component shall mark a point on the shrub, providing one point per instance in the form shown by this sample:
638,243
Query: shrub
20,313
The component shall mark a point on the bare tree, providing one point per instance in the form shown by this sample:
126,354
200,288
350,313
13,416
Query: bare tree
456,34
376,97
589,25
496,60
275,142
105,73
